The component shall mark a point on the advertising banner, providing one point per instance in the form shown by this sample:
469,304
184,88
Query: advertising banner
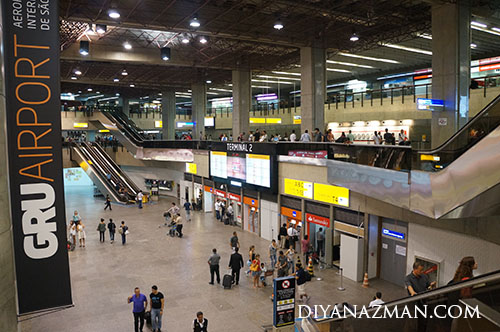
31,62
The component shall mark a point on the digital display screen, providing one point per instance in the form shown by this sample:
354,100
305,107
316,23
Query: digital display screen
236,167
218,164
424,104
259,170
209,121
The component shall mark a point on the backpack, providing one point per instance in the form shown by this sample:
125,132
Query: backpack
308,276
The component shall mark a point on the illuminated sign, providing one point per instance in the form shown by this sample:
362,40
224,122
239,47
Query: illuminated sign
424,104
185,124
331,194
209,121
191,168
318,220
234,197
428,157
297,119
273,120
158,124
257,120
80,125
299,188
220,193
391,233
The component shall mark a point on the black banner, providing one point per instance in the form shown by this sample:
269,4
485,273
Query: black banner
31,61
284,301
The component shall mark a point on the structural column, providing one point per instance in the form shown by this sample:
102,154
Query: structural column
199,105
312,88
451,38
168,114
242,101
126,106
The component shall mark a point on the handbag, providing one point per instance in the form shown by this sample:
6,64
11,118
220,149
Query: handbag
127,232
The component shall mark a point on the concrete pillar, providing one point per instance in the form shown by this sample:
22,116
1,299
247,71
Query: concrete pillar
126,106
329,240
313,88
199,105
242,101
451,38
8,311
168,114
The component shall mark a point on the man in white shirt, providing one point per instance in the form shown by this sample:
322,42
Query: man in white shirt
377,301
293,136
139,197
263,137
305,136
217,209
293,235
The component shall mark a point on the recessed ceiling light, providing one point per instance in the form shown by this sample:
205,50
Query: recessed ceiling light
409,49
472,45
208,81
165,53
113,13
285,73
78,72
84,47
98,92
338,70
354,37
101,28
117,94
495,29
116,80
203,40
73,77
348,64
194,23
279,77
278,25
89,89
367,57
132,85
127,46
124,73
185,40
90,31
79,91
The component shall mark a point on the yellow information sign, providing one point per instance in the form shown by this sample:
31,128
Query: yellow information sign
299,188
158,124
191,168
331,194
257,120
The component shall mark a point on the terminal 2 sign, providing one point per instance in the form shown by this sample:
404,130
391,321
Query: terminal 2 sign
31,69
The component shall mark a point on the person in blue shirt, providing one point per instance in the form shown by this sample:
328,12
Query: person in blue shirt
187,207
140,303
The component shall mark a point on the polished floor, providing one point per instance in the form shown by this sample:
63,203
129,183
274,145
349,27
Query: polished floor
103,275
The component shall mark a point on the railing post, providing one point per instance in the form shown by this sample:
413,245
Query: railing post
392,96
403,95
353,100
362,97
345,97
414,93
337,101
484,92
427,91
381,97
371,98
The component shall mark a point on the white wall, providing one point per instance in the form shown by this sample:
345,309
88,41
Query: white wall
449,248
269,220
351,257
139,174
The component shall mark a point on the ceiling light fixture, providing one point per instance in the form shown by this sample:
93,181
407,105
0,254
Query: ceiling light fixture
194,23
165,53
132,85
338,70
478,24
354,37
350,55
275,82
208,81
278,25
78,72
203,40
84,47
279,77
90,31
101,28
116,80
124,72
89,89
424,35
285,73
127,46
349,64
472,45
409,49
73,77
493,31
185,40
113,13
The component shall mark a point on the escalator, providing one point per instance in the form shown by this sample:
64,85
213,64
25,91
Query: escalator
468,306
99,166
459,179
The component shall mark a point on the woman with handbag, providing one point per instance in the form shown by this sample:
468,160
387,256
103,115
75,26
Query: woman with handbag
251,257
123,230
255,268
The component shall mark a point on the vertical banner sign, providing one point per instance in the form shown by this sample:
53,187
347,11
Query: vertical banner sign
31,61
284,301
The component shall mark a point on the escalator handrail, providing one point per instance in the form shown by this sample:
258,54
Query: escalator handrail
134,137
466,127
482,279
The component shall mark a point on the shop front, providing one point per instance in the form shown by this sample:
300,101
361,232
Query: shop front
235,200
208,199
198,193
251,214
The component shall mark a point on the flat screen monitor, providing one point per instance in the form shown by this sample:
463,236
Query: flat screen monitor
236,167
209,121
258,169
218,164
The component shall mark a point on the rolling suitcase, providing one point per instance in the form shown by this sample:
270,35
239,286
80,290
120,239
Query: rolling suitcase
147,317
227,281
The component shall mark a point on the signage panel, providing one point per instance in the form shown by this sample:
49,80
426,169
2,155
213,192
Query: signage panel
158,124
251,201
191,168
235,197
220,193
424,104
391,233
318,220
209,189
31,66
284,301
299,188
331,194
291,213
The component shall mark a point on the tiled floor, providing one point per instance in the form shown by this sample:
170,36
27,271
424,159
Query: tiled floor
103,275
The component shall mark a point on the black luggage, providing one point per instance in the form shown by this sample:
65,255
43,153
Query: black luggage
226,220
227,281
147,317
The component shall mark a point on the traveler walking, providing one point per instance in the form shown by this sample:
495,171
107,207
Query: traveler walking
200,323
282,236
300,276
72,232
305,246
320,242
234,242
273,248
293,136
213,262
178,224
293,236
187,207
255,268
101,228
140,303
80,229
290,255
157,301
108,203
230,213
318,136
111,229
236,264
282,265
251,257
124,232
76,218
139,197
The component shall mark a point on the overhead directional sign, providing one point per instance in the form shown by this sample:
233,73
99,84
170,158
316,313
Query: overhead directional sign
331,194
299,188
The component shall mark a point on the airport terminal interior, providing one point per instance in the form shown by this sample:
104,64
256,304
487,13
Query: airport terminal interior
250,165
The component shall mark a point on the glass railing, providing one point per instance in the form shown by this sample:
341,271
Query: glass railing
471,305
